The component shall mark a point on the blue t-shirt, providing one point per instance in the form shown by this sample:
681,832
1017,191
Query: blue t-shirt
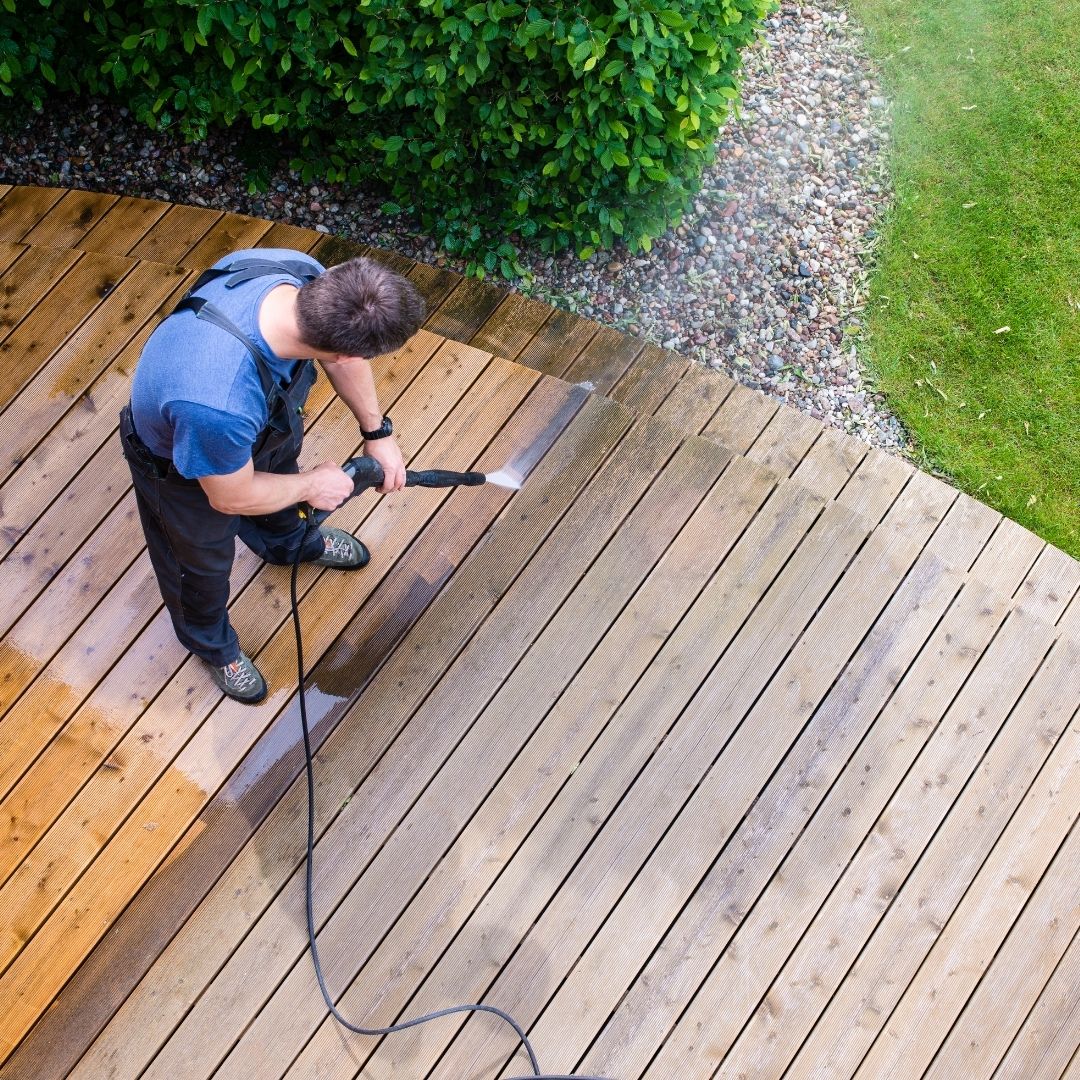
196,395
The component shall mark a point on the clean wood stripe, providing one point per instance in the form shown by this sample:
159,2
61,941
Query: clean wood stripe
925,897
232,232
24,283
182,790
1020,971
68,378
23,207
68,222
428,647
764,939
175,233
124,226
69,303
1050,1034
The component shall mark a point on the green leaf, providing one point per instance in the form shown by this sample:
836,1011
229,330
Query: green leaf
620,158
580,51
390,208
612,69
204,19
130,42
350,48
378,43
394,143
585,252
590,63
673,19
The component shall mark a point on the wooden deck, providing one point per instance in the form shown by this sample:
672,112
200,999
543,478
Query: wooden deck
726,747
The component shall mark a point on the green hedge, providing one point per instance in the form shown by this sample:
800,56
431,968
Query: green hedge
562,123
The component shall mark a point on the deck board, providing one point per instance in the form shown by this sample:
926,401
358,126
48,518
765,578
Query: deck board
727,745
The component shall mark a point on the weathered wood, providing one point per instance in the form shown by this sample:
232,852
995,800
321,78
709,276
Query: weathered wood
435,285
741,418
405,858
1050,1034
124,226
175,233
637,772
511,326
1008,557
647,383
281,235
26,281
9,252
764,939
979,923
694,400
23,207
68,222
1021,969
465,310
342,762
1050,585
558,343
55,317
785,440
604,360
863,1000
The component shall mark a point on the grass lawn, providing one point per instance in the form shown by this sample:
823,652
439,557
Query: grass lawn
984,234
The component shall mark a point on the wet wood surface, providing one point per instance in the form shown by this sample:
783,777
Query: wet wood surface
727,746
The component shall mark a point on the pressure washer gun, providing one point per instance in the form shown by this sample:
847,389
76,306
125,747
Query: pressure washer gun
366,472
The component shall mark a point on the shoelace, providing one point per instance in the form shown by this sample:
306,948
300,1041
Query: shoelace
238,677
338,547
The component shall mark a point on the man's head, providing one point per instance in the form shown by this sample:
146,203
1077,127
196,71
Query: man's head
358,308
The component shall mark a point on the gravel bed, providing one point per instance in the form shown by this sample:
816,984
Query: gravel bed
764,278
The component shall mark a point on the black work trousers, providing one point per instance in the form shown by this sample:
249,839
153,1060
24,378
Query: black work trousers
192,545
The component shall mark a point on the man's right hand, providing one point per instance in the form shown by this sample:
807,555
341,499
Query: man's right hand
329,486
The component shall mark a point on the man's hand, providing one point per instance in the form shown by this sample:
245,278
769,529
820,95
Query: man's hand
328,486
388,454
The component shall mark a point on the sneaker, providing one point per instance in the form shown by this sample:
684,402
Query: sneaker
240,680
343,551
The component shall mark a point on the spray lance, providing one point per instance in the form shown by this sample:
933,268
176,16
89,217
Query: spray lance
367,473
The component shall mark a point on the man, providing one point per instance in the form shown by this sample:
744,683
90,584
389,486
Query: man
215,426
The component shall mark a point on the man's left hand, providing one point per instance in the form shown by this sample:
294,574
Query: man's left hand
388,454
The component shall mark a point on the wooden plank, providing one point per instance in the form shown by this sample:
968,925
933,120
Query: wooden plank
710,866
124,226
202,764
647,383
4,189
9,252
511,326
658,736
580,715
1008,557
39,495
1050,1034
72,299
976,927
917,908
558,343
231,232
604,360
741,418
482,756
833,467
68,378
783,443
694,400
465,310
281,235
43,792
68,222
173,235
435,285
763,941
331,250
400,264
23,207
1021,969
26,282
1050,585
343,761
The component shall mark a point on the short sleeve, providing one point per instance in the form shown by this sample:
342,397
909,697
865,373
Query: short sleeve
209,442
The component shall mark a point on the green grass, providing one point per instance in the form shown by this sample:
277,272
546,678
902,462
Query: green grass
984,233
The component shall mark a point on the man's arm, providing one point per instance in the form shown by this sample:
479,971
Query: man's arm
355,385
251,493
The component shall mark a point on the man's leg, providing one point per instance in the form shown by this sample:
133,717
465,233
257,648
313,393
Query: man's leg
275,537
191,548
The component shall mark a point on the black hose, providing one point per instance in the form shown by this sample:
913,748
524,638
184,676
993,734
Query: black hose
536,1074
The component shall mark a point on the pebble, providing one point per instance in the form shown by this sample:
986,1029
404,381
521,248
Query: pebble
765,272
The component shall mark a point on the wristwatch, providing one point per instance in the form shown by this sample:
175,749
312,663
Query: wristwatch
384,429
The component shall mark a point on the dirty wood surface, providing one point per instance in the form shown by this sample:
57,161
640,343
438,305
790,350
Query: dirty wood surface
725,747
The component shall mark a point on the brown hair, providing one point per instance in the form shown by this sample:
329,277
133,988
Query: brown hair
358,308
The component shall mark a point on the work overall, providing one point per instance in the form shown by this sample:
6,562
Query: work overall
191,544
